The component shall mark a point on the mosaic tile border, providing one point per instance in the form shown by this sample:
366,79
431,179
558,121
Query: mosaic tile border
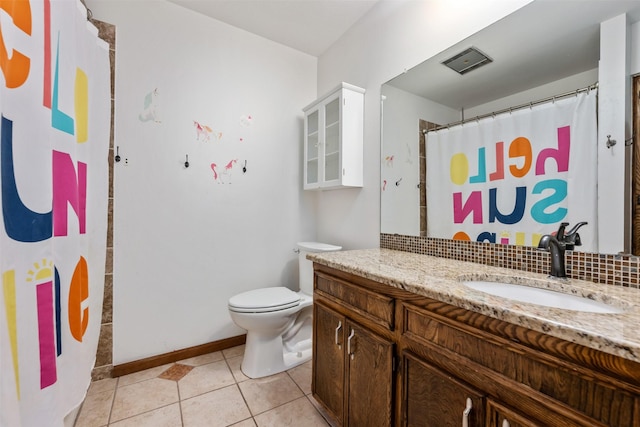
618,270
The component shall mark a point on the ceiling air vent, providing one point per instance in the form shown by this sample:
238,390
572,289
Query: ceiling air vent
467,60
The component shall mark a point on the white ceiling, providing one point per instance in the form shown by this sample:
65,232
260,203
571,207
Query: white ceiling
544,41
540,43
310,26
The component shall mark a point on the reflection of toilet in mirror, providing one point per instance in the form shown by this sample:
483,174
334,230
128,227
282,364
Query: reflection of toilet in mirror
278,320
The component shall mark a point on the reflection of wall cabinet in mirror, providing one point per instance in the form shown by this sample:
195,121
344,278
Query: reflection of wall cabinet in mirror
333,139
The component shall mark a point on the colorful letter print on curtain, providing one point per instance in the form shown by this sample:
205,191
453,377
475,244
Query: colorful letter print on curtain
512,178
54,142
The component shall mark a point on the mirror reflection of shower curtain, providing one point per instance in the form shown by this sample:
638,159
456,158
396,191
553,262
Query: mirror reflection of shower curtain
516,176
55,118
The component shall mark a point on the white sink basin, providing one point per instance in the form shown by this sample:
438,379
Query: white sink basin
540,296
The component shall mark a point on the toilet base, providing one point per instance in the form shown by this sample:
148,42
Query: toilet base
273,359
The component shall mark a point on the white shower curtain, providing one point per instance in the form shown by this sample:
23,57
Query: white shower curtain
512,178
55,118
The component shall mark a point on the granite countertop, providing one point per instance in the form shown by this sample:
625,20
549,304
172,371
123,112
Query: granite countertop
440,279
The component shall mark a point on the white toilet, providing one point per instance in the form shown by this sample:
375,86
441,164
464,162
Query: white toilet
278,320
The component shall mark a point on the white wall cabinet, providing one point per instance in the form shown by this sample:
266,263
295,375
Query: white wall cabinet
333,139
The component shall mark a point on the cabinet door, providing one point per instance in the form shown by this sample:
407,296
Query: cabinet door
334,139
500,416
329,359
311,153
370,380
435,398
331,146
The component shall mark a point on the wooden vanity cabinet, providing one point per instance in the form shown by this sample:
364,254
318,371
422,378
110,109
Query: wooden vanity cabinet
330,362
436,398
353,366
369,378
501,416
452,362
528,378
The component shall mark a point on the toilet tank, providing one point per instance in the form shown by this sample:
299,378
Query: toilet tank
306,267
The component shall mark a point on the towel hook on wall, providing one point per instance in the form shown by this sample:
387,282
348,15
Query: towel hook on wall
629,141
186,162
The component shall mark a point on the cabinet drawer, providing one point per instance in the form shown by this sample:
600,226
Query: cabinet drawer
371,305
551,386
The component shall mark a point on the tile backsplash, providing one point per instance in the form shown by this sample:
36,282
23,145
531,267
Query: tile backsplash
613,269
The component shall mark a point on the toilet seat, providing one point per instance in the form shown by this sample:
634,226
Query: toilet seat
264,300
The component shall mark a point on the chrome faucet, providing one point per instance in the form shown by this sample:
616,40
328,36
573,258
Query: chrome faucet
558,243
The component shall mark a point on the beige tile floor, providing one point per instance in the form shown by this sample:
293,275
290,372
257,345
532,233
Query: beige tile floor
214,392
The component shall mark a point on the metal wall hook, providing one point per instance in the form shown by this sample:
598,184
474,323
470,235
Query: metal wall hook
117,157
629,141
610,142
186,163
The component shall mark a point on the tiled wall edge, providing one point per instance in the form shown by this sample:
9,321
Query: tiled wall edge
614,269
104,366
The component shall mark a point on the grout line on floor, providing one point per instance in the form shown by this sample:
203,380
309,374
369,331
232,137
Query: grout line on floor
294,381
180,403
237,381
113,400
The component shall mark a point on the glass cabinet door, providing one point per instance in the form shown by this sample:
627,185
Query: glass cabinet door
312,160
332,140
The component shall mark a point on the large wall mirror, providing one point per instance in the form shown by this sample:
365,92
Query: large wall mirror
542,50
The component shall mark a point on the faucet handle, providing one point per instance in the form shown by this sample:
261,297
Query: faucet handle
560,232
576,227
573,241
578,241
572,238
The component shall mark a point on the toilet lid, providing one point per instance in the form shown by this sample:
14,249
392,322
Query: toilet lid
264,300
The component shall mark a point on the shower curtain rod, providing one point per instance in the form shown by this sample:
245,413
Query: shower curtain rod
511,109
